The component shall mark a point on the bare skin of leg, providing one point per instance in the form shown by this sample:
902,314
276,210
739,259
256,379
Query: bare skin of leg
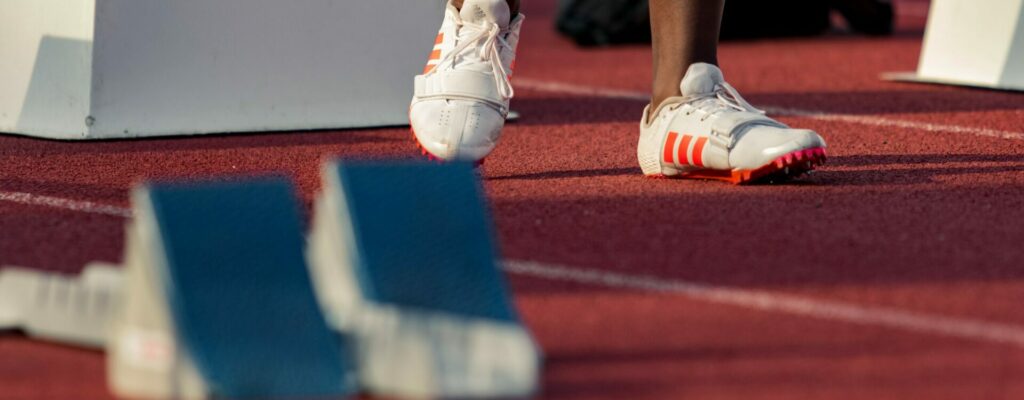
683,32
513,5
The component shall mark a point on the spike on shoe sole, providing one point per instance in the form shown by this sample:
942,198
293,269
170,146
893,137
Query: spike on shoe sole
784,168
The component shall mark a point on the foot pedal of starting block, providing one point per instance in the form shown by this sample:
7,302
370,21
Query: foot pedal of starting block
58,307
218,301
404,259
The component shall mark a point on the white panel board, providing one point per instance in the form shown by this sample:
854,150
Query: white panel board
45,60
156,67
972,43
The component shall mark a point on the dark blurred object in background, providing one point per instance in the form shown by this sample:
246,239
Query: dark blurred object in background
872,17
604,22
751,19
608,22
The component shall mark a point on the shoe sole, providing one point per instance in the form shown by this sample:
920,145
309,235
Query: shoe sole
781,169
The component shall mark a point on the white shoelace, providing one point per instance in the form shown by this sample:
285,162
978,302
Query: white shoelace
490,52
724,97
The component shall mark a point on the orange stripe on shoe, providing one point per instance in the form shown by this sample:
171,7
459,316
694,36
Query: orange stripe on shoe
434,56
684,146
440,38
670,144
698,152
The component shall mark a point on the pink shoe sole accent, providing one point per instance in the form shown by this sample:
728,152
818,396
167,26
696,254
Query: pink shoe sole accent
788,166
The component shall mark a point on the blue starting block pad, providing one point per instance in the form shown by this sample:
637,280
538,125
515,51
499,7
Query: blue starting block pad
405,260
218,299
423,240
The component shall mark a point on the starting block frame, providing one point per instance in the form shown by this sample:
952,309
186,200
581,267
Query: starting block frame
61,308
218,298
398,292
970,43
111,69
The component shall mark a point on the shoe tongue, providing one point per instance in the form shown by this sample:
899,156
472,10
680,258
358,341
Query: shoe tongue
701,78
493,11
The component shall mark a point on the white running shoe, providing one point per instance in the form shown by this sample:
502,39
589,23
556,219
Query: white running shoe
712,133
462,98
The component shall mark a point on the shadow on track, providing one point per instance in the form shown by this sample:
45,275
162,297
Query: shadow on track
911,169
19,145
838,228
932,99
580,173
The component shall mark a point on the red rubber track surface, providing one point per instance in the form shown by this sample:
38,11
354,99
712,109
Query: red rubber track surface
912,216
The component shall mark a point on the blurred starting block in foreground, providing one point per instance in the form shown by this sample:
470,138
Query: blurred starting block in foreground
104,69
972,43
218,302
401,296
404,259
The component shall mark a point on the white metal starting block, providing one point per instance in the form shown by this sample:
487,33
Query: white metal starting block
972,43
105,69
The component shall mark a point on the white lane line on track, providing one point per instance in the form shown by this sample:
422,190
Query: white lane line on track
580,90
893,318
65,204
